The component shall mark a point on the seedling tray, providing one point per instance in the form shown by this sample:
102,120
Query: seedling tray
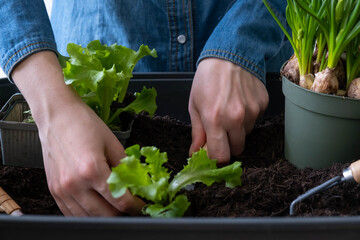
20,143
173,91
7,89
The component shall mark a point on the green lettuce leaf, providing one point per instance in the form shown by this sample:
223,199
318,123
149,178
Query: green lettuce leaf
202,169
176,208
100,74
149,179
145,101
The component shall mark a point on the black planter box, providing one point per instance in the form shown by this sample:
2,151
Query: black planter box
173,91
47,227
20,143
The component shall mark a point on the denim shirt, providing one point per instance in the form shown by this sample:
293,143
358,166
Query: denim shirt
183,32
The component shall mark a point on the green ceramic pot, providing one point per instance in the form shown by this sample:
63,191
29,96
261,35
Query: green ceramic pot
320,129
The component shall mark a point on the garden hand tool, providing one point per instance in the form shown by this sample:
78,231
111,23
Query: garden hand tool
8,205
350,174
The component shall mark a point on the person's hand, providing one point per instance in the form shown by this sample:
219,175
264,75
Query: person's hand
225,101
78,148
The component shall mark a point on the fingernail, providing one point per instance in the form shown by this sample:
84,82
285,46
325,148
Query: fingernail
205,147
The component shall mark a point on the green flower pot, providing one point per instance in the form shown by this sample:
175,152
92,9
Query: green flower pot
320,129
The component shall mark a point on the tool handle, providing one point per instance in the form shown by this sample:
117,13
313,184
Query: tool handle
355,170
7,203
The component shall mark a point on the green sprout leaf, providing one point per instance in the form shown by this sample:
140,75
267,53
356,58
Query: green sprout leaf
176,208
100,74
202,169
147,180
150,179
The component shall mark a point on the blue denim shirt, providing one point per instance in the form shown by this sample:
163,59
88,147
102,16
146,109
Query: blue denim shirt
184,32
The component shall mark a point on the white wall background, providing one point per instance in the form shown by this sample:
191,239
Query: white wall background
48,4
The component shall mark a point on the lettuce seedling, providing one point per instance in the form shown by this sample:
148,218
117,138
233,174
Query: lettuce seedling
150,180
100,74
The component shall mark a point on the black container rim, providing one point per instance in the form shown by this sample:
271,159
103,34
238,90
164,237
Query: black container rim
57,227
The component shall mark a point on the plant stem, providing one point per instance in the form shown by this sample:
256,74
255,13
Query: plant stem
296,51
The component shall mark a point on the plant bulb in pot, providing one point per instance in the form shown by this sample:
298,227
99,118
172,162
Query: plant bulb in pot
354,88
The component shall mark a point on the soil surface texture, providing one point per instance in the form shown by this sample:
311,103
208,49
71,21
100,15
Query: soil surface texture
269,182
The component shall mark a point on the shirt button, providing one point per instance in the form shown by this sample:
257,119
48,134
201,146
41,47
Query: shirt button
181,39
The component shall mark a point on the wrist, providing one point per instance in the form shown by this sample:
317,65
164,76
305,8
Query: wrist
41,81
222,65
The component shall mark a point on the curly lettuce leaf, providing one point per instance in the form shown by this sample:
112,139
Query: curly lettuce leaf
100,74
176,208
144,101
150,179
202,169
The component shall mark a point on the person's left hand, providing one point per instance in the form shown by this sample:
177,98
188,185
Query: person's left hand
225,101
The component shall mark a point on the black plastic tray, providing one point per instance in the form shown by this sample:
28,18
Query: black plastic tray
174,89
136,228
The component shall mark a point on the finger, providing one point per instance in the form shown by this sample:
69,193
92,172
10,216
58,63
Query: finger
114,151
237,140
252,113
69,206
218,144
55,188
76,198
197,132
127,204
96,205
62,207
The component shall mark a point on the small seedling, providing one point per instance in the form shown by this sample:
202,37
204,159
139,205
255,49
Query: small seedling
150,180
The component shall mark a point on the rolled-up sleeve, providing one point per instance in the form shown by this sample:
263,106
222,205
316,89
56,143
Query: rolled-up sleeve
25,29
247,35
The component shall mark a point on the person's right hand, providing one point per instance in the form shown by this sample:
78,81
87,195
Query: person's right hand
78,147
224,104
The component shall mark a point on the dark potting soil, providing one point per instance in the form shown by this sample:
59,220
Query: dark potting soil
269,182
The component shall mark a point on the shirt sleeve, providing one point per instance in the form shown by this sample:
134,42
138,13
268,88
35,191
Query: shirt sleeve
25,30
247,35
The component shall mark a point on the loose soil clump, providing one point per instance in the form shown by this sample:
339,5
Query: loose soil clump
270,182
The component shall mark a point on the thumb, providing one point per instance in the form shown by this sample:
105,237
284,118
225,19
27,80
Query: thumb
198,133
